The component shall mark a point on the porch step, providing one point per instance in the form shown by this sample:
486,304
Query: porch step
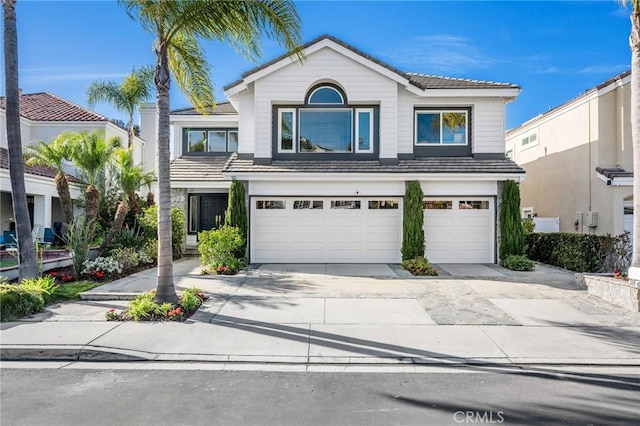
191,251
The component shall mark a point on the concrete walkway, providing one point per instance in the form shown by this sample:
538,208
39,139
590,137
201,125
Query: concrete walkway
344,314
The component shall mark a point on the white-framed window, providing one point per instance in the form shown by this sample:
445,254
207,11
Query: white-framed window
529,141
527,212
441,127
271,205
287,130
364,130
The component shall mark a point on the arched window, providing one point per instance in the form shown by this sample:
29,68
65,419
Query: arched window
325,124
325,95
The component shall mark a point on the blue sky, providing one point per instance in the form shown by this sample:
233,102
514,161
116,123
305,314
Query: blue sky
554,50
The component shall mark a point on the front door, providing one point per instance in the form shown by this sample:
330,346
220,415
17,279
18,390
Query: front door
212,209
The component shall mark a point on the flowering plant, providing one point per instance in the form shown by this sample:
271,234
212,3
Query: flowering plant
112,315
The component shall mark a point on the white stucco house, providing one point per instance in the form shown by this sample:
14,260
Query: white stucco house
579,160
325,148
44,116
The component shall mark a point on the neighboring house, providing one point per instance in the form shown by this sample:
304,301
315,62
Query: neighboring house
579,161
43,116
325,149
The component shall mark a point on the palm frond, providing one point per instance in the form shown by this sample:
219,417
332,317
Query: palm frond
191,71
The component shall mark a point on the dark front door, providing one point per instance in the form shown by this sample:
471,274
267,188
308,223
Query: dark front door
212,208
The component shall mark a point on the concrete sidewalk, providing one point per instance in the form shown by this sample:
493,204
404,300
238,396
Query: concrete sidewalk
280,314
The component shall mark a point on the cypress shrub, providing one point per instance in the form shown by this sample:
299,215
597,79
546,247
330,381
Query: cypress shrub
511,231
236,215
413,220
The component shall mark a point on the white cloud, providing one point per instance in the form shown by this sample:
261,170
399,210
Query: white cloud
442,53
49,75
604,69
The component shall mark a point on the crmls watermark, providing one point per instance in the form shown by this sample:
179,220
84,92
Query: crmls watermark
478,417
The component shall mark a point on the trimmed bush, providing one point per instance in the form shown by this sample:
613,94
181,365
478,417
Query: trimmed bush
518,263
236,214
148,220
218,249
413,244
576,252
511,230
27,298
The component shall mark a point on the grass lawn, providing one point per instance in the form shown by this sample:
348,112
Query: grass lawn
6,263
72,290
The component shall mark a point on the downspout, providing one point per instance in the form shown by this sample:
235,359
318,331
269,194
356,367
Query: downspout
589,143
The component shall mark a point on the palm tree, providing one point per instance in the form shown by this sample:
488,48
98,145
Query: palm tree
28,264
135,89
634,44
54,155
129,178
91,153
179,27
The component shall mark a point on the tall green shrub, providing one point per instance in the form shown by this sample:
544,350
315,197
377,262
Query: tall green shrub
236,214
511,231
148,220
218,248
413,221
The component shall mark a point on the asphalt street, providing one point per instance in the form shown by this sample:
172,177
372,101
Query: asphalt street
91,395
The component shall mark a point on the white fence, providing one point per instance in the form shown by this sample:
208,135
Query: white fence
546,224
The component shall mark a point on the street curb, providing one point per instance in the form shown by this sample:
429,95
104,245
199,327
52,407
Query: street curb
103,354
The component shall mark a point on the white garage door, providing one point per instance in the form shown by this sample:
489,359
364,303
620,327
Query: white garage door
325,230
459,230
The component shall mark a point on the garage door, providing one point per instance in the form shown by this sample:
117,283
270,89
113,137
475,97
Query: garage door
459,230
325,230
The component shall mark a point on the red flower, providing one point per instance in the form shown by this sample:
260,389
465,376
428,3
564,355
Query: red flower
111,311
53,274
178,310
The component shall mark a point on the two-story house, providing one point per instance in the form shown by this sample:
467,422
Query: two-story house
579,160
326,147
44,116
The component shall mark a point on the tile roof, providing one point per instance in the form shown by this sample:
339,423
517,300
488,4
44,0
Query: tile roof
199,167
439,82
613,172
421,81
221,108
45,106
418,165
33,170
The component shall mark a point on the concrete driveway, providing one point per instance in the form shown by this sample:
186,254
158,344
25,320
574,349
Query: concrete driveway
334,314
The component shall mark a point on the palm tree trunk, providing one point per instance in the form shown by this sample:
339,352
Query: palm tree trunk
165,290
634,42
118,221
91,200
28,264
62,185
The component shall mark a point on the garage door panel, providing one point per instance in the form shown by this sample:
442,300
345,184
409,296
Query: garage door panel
459,235
339,235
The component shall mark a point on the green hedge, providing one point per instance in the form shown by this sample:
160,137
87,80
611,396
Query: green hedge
576,252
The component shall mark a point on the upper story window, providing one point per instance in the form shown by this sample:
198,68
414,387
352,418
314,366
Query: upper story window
201,141
325,95
530,140
327,124
435,127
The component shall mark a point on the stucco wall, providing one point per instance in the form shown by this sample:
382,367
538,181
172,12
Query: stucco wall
591,131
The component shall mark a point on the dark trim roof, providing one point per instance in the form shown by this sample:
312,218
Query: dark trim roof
45,106
419,80
418,165
585,93
43,171
199,167
221,108
613,172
